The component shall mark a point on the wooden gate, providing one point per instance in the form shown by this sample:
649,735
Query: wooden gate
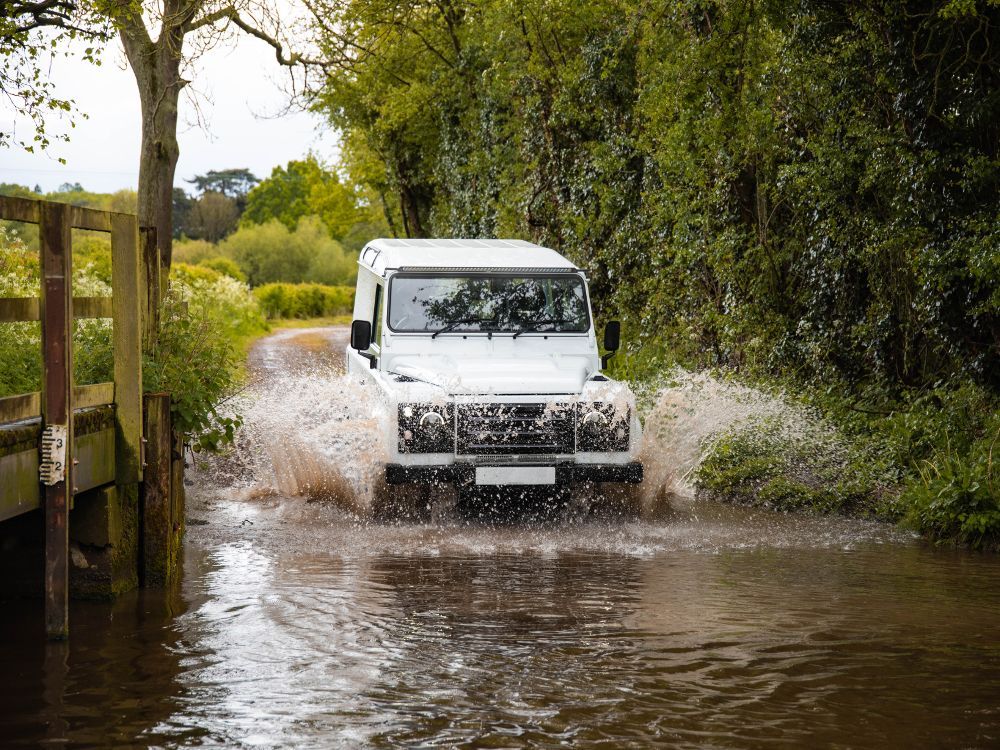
69,464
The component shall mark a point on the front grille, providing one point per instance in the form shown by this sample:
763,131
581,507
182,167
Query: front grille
512,459
507,429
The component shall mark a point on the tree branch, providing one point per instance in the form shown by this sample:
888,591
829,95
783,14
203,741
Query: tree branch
26,16
229,14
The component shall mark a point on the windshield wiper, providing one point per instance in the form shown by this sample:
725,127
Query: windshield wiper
456,323
535,326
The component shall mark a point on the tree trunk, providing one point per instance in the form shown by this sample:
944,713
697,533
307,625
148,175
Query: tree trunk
156,66
411,213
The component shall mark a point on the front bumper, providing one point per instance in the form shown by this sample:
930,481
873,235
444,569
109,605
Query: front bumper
463,474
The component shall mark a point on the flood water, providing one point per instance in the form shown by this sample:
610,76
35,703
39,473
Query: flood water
297,624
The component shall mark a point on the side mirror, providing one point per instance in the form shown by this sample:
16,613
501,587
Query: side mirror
361,335
612,340
612,336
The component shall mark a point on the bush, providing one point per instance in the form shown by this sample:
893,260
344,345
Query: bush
193,251
206,315
198,359
304,300
198,365
269,253
92,258
796,465
225,266
925,458
217,297
955,496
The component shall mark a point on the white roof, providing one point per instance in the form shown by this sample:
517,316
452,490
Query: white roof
462,255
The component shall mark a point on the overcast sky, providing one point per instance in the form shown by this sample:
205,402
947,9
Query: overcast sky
241,86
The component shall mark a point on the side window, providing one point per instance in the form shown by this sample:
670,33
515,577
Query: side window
377,316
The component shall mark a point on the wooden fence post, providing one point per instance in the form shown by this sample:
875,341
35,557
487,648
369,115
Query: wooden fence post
57,409
128,305
157,516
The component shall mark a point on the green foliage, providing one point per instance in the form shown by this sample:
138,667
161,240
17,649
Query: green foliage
307,188
206,318
797,465
92,257
797,192
225,266
304,300
198,366
781,188
219,298
194,252
956,497
271,253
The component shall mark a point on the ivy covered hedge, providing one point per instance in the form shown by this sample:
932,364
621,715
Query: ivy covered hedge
798,192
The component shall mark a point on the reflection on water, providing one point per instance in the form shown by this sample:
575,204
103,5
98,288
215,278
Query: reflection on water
757,629
298,625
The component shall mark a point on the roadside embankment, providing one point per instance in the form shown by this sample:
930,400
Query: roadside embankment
924,462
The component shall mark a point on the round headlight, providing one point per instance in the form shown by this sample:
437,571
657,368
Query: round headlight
594,420
431,420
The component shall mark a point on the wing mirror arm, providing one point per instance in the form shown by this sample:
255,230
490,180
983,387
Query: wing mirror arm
612,341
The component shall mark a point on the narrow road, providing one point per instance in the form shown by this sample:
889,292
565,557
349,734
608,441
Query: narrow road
298,349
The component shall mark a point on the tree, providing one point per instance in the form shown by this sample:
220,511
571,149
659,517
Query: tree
182,205
303,188
157,61
265,253
391,67
233,183
270,252
803,188
212,217
30,30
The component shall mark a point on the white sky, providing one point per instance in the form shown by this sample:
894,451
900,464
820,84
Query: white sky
241,87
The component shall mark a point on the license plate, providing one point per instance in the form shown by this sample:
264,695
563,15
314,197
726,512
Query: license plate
515,475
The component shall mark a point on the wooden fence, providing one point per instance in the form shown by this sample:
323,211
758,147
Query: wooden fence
108,453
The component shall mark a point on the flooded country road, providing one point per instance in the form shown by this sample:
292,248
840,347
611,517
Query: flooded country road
299,624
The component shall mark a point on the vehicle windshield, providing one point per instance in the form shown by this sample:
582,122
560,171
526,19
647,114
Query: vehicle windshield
499,303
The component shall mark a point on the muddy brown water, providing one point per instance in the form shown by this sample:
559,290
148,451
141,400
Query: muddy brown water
298,625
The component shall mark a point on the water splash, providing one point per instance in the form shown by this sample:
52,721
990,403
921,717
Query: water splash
315,433
687,411
315,436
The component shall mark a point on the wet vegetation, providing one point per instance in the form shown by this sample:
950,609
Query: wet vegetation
796,196
800,195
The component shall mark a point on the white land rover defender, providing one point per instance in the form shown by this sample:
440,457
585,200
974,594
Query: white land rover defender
485,356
